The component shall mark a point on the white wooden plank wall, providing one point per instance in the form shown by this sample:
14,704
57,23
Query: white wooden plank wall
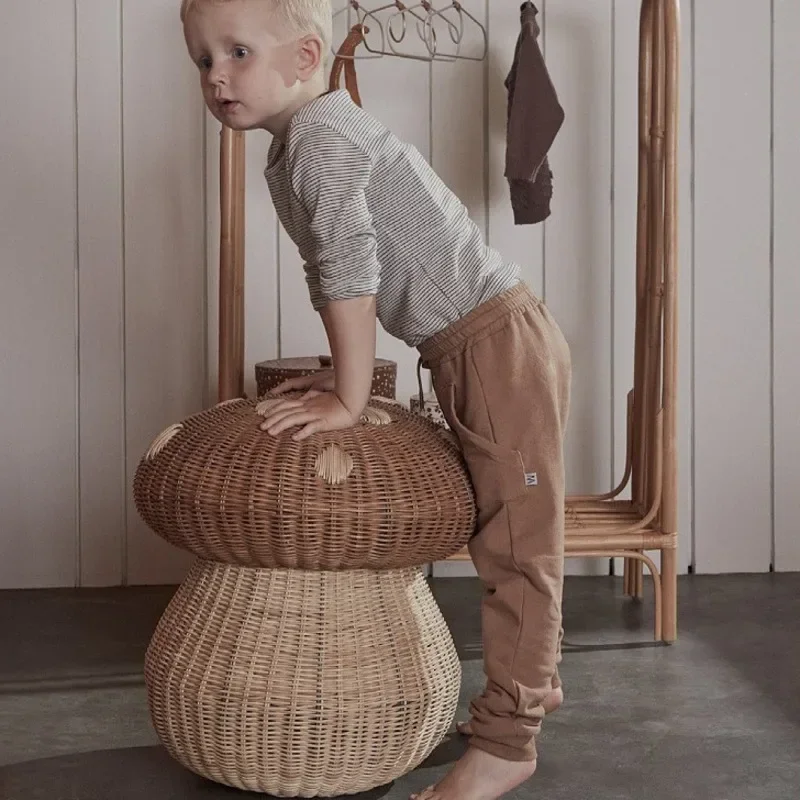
109,219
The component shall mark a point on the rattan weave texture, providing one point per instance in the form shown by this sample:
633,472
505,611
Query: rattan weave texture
301,683
389,493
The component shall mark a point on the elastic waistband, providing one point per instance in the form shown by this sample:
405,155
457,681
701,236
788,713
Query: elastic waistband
490,314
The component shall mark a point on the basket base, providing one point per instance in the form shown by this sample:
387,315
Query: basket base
301,683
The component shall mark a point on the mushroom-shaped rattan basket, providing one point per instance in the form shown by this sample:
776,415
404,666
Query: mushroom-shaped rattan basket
304,654
389,493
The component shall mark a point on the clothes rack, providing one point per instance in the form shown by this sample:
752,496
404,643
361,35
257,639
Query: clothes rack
603,525
600,525
388,26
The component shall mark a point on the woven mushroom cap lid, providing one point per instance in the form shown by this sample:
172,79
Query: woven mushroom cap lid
388,493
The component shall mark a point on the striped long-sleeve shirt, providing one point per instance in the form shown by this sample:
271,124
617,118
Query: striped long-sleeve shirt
370,216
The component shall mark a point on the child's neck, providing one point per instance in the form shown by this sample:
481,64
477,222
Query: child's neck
308,91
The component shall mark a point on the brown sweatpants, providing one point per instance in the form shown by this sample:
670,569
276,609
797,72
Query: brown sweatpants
502,377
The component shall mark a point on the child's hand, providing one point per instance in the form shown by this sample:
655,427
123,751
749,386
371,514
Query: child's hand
321,381
315,411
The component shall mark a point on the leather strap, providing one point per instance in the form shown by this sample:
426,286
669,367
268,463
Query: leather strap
344,61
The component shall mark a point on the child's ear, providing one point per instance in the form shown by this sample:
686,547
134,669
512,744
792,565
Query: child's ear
309,56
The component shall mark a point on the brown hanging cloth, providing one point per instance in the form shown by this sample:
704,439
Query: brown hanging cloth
344,61
534,118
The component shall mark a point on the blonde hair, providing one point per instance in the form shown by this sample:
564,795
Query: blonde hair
300,17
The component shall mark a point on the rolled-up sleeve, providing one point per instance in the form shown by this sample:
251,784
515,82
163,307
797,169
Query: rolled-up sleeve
329,176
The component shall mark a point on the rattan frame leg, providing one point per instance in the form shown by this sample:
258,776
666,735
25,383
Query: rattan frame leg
669,572
642,560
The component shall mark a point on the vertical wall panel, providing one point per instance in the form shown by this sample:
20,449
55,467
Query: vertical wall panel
577,280
786,285
457,116
165,259
732,286
520,243
577,237
38,360
101,292
685,420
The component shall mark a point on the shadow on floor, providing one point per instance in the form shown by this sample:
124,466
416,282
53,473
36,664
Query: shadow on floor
137,773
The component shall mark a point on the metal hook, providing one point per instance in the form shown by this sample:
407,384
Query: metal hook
455,36
422,21
402,36
462,12
401,9
364,15
400,12
428,32
361,16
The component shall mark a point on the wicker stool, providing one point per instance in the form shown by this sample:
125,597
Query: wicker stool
304,654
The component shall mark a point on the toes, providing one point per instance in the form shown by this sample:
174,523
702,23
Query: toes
553,701
464,728
425,794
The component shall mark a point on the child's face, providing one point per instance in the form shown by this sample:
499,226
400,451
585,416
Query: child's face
248,67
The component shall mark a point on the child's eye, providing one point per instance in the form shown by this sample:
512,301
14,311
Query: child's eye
204,62
239,52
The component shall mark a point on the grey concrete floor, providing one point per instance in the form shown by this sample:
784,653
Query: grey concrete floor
715,716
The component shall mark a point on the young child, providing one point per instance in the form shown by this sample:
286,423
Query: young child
383,238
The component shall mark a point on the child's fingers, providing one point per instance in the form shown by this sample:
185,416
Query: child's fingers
307,430
282,410
293,417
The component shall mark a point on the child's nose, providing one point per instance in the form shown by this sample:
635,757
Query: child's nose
217,76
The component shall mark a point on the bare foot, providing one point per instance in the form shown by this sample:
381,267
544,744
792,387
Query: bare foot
479,775
551,704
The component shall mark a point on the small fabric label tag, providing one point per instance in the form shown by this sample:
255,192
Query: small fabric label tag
531,479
